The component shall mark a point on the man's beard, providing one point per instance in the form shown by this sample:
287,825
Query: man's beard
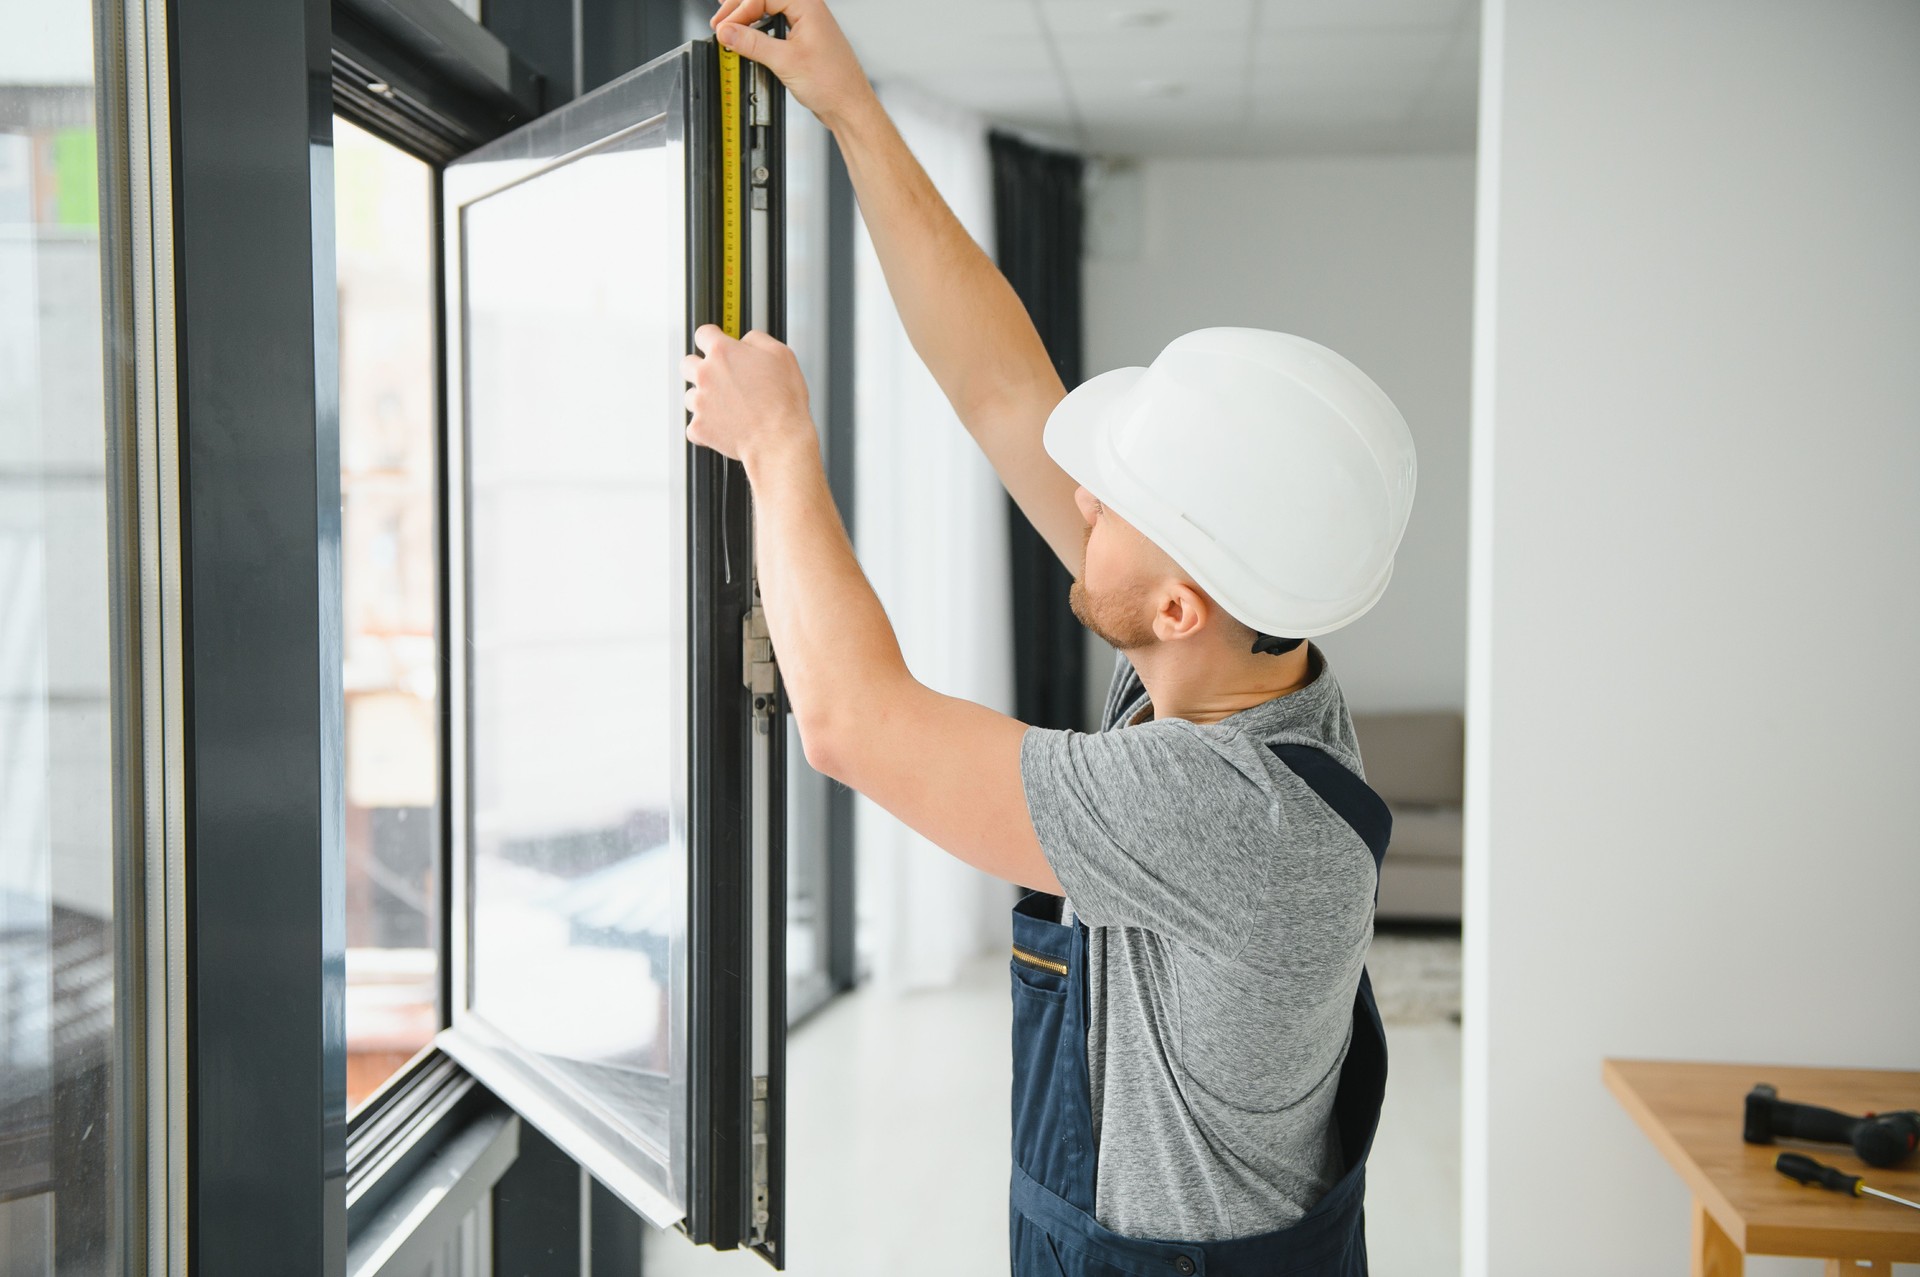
1121,617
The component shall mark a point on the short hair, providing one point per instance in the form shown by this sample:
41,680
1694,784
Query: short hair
1274,646
1270,644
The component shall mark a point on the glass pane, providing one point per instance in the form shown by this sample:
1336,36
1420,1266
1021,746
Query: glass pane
808,792
574,288
389,455
58,1052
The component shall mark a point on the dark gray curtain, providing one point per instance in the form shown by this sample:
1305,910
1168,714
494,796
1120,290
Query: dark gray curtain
1037,225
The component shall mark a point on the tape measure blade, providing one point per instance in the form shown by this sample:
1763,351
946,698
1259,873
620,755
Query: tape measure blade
731,247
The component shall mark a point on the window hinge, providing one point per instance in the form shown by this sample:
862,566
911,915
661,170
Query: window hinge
762,1211
759,175
761,118
759,671
762,95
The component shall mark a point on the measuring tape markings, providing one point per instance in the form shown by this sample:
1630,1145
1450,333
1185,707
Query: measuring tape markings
731,246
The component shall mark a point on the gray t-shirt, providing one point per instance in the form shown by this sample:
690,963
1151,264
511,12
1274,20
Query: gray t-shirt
1229,914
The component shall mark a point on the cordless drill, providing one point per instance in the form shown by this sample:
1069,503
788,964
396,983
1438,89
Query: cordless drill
1878,1139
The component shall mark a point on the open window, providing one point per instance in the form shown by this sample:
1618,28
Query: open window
616,786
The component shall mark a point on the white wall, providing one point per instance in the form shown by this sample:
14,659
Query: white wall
1696,587
1371,256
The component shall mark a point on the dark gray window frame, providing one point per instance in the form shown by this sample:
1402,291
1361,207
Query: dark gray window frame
254,88
260,513
255,333
841,211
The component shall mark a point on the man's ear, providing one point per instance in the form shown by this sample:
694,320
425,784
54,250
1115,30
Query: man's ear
1183,612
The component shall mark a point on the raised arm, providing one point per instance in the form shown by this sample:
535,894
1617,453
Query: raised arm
948,768
960,313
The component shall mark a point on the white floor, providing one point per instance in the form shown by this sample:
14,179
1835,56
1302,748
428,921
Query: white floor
898,1133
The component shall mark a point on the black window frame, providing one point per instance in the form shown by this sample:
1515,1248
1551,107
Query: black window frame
259,517
721,741
422,76
276,1164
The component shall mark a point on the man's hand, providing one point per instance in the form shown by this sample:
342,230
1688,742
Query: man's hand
815,61
864,719
748,397
965,321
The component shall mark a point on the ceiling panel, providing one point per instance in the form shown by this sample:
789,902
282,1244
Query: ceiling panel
1002,95
1162,56
907,37
1070,19
1198,114
1192,76
1355,104
1361,14
1322,54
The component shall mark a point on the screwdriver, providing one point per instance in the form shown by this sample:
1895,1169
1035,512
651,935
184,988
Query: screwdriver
1807,1171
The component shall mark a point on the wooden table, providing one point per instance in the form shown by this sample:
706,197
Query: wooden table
1741,1205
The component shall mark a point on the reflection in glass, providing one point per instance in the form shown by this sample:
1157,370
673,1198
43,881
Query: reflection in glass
57,1027
577,583
388,458
808,792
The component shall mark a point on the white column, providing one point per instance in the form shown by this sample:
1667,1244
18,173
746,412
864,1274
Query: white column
1695,612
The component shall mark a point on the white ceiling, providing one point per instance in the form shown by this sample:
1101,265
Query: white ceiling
1224,77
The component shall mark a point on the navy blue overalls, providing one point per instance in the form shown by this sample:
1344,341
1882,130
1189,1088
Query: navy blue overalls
1054,1233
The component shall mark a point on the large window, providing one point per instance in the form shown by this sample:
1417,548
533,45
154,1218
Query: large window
577,645
389,457
170,632
618,977
58,1027
557,717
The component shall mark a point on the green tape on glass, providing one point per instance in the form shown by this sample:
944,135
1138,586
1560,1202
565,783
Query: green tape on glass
76,179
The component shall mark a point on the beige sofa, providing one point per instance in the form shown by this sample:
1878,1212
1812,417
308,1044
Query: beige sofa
1416,761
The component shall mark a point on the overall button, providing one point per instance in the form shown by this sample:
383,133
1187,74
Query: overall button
1183,1266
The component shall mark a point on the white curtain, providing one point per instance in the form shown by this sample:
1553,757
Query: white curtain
930,527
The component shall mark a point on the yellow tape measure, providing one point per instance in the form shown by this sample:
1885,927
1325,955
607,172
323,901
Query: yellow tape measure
732,252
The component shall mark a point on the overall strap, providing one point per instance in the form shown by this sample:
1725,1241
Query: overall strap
1351,798
1363,1078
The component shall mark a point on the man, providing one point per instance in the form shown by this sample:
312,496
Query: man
1198,1063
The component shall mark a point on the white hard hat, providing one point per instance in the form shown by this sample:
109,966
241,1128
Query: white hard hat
1273,470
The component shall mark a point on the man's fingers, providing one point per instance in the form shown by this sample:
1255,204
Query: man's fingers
725,13
689,367
748,12
755,45
708,337
732,11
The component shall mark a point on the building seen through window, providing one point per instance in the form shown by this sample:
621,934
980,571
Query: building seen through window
58,1029
388,462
